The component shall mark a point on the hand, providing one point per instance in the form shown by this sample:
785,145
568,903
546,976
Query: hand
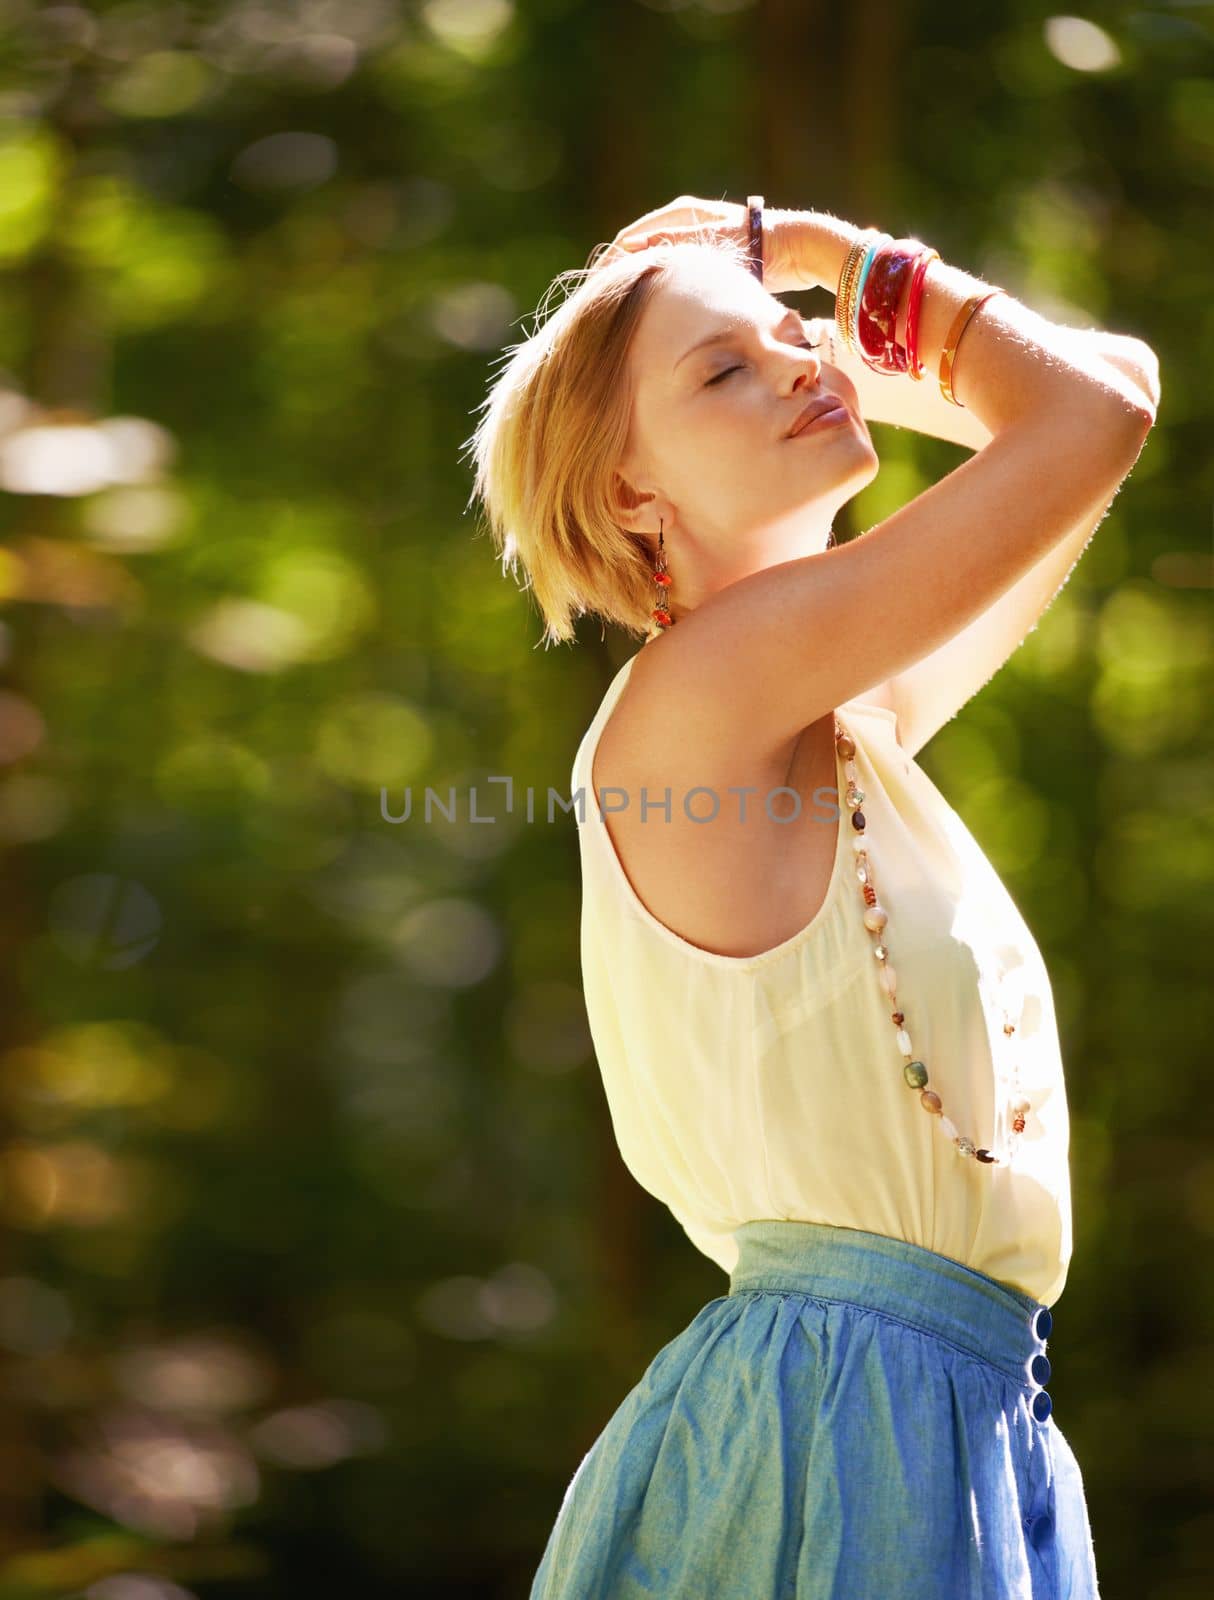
690,220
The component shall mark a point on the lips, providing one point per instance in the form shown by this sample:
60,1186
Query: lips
815,408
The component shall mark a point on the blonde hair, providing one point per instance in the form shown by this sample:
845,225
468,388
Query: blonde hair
556,422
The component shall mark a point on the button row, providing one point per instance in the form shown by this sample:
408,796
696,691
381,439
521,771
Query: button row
1042,1324
1040,1524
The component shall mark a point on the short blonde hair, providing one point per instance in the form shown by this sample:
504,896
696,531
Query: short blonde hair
556,423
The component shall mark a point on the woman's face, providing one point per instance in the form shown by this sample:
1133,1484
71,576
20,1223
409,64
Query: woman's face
709,429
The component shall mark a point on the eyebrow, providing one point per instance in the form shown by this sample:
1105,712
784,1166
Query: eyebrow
730,332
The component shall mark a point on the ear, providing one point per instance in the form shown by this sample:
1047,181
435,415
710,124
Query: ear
639,510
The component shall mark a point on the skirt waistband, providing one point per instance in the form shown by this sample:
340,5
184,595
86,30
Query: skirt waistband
977,1313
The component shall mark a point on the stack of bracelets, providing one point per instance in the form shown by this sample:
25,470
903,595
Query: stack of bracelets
867,301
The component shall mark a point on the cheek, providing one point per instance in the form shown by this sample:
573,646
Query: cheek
837,381
732,421
720,427
712,469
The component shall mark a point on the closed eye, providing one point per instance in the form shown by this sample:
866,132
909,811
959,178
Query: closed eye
805,344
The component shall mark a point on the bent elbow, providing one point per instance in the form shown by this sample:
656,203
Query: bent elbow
1136,358
1137,421
1144,416
1133,417
1148,373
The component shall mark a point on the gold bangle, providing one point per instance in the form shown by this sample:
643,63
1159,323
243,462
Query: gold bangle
842,290
846,298
848,279
949,354
845,295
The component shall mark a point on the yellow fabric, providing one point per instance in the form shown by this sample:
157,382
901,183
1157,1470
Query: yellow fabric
771,1086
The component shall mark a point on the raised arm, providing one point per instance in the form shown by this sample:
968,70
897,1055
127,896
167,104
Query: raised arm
761,659
932,690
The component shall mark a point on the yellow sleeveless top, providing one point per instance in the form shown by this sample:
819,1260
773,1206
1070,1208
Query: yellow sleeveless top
771,1086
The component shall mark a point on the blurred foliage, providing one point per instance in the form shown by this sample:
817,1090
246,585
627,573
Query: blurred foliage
320,1270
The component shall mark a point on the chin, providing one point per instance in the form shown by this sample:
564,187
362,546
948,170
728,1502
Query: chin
866,468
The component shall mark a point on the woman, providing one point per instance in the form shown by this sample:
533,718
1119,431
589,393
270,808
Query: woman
830,1050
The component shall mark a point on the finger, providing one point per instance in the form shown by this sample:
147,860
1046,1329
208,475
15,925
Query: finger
661,217
639,232
667,236
670,217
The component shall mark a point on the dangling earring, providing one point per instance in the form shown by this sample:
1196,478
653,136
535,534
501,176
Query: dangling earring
662,579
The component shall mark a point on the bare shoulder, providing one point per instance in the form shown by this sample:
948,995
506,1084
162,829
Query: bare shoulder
670,725
621,735
734,888
662,731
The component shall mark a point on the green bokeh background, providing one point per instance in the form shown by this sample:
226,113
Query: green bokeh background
320,1270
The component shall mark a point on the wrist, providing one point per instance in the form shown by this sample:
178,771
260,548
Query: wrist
818,246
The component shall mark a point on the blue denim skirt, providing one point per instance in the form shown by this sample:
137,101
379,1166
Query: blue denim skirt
859,1418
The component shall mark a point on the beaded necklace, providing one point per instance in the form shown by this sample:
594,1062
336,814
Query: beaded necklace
876,919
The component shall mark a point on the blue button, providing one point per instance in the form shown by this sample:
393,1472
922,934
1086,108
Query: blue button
1040,1528
1043,1322
1042,1405
1039,1369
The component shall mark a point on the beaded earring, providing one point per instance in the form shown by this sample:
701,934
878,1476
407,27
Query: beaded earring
661,578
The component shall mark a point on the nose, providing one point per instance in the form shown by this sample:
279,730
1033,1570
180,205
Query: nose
807,371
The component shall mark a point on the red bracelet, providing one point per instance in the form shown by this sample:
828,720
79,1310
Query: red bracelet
914,365
877,316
